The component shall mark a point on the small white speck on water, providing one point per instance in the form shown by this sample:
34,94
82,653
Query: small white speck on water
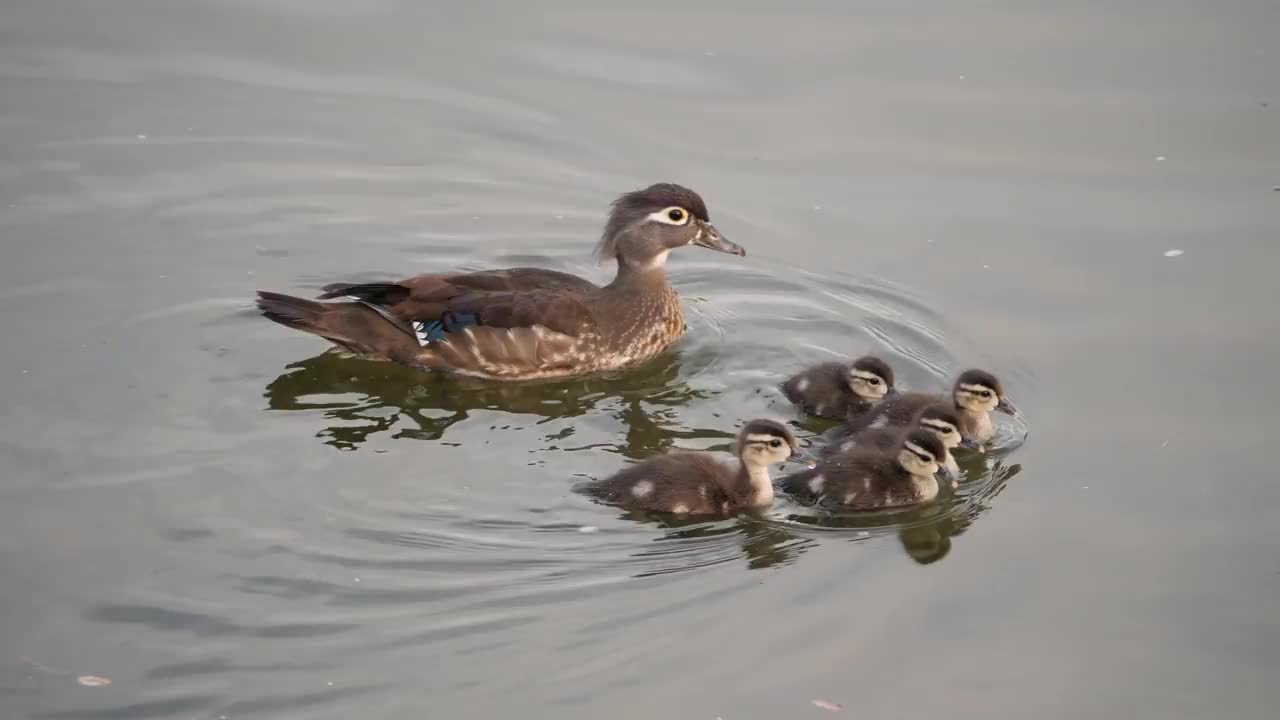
817,207
1084,487
141,136
585,529
1163,444
709,53
475,217
93,681
961,77
1172,253
986,267
329,684
1160,158
355,579
24,372
863,533
559,217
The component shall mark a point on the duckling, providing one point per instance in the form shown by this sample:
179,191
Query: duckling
698,483
869,479
525,323
975,394
939,418
837,390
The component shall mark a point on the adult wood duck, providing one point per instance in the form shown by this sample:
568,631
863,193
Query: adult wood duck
525,323
699,483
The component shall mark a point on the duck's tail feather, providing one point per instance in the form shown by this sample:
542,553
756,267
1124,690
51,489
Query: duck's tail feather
354,326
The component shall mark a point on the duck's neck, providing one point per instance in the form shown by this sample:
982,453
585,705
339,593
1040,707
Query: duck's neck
976,424
757,486
634,274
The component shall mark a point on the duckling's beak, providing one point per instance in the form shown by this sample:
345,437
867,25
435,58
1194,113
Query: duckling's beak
944,474
800,455
970,444
890,390
1007,407
710,238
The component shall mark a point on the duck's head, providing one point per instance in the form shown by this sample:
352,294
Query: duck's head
764,442
922,453
647,224
871,378
943,421
978,391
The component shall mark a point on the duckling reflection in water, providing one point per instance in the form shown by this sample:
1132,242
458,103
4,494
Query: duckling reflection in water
871,479
975,394
835,390
699,483
939,418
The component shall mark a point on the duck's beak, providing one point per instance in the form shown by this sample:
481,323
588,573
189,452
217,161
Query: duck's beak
800,455
710,238
1007,407
970,444
944,474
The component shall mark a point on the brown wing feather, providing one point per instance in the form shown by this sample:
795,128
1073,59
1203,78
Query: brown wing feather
503,353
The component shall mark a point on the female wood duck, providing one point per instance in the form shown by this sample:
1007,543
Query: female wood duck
975,394
939,418
873,479
837,390
699,483
525,323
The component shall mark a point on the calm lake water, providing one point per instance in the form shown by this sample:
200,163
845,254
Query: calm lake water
227,522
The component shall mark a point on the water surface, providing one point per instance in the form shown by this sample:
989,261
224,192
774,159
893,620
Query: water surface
227,521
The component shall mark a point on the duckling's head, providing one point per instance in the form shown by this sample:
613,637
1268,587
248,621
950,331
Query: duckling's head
943,421
978,391
921,453
870,378
645,225
766,442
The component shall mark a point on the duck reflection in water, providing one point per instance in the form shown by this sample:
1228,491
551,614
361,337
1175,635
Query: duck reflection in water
360,399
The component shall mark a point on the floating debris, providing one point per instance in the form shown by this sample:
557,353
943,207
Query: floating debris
1172,253
1160,158
588,529
93,681
828,705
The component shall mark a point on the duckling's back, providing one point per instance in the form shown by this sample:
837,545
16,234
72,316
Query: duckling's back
865,479
821,390
897,410
679,482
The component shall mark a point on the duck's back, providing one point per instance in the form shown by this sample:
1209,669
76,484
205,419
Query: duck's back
897,410
821,390
857,480
882,439
679,481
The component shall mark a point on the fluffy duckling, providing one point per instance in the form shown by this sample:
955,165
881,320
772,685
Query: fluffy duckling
837,390
975,394
698,483
939,418
870,480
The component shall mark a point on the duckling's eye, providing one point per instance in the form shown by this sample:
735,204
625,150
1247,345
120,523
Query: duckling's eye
873,381
986,394
676,215
775,443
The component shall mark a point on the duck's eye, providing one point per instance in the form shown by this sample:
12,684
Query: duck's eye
986,394
775,443
873,381
676,215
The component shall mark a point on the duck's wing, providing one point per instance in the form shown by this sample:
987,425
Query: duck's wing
426,297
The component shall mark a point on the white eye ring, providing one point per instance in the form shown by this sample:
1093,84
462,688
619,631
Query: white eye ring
674,215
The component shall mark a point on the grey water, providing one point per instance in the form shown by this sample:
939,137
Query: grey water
226,521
